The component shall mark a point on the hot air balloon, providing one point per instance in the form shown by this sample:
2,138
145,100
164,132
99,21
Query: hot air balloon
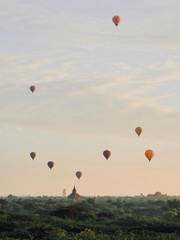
107,154
78,174
138,130
33,155
50,164
116,20
149,154
32,88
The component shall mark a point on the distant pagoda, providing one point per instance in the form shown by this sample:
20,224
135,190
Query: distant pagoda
75,195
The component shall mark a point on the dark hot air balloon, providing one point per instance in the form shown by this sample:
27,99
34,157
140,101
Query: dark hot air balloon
33,155
138,130
78,174
32,88
50,164
107,154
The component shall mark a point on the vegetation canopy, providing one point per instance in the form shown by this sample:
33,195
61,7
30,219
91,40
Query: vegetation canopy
104,218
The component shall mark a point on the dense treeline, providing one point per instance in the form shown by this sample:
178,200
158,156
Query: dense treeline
103,218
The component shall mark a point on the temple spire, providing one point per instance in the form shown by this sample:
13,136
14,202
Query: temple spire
75,195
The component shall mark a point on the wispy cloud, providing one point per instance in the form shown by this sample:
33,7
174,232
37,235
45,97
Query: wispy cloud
82,96
50,29
100,73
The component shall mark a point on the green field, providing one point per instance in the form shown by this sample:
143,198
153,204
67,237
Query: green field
105,218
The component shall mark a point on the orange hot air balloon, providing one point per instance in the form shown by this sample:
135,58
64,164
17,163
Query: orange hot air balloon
149,154
107,154
50,164
32,88
116,20
78,174
33,155
138,130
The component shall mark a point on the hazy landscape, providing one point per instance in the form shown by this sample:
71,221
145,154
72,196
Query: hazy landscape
98,218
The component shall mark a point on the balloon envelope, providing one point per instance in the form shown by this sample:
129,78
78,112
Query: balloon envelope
78,174
149,154
138,130
33,155
32,88
107,154
116,20
50,164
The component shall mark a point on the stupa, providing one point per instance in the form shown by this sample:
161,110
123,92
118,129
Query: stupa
75,195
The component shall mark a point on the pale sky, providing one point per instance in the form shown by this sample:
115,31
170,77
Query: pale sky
95,83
